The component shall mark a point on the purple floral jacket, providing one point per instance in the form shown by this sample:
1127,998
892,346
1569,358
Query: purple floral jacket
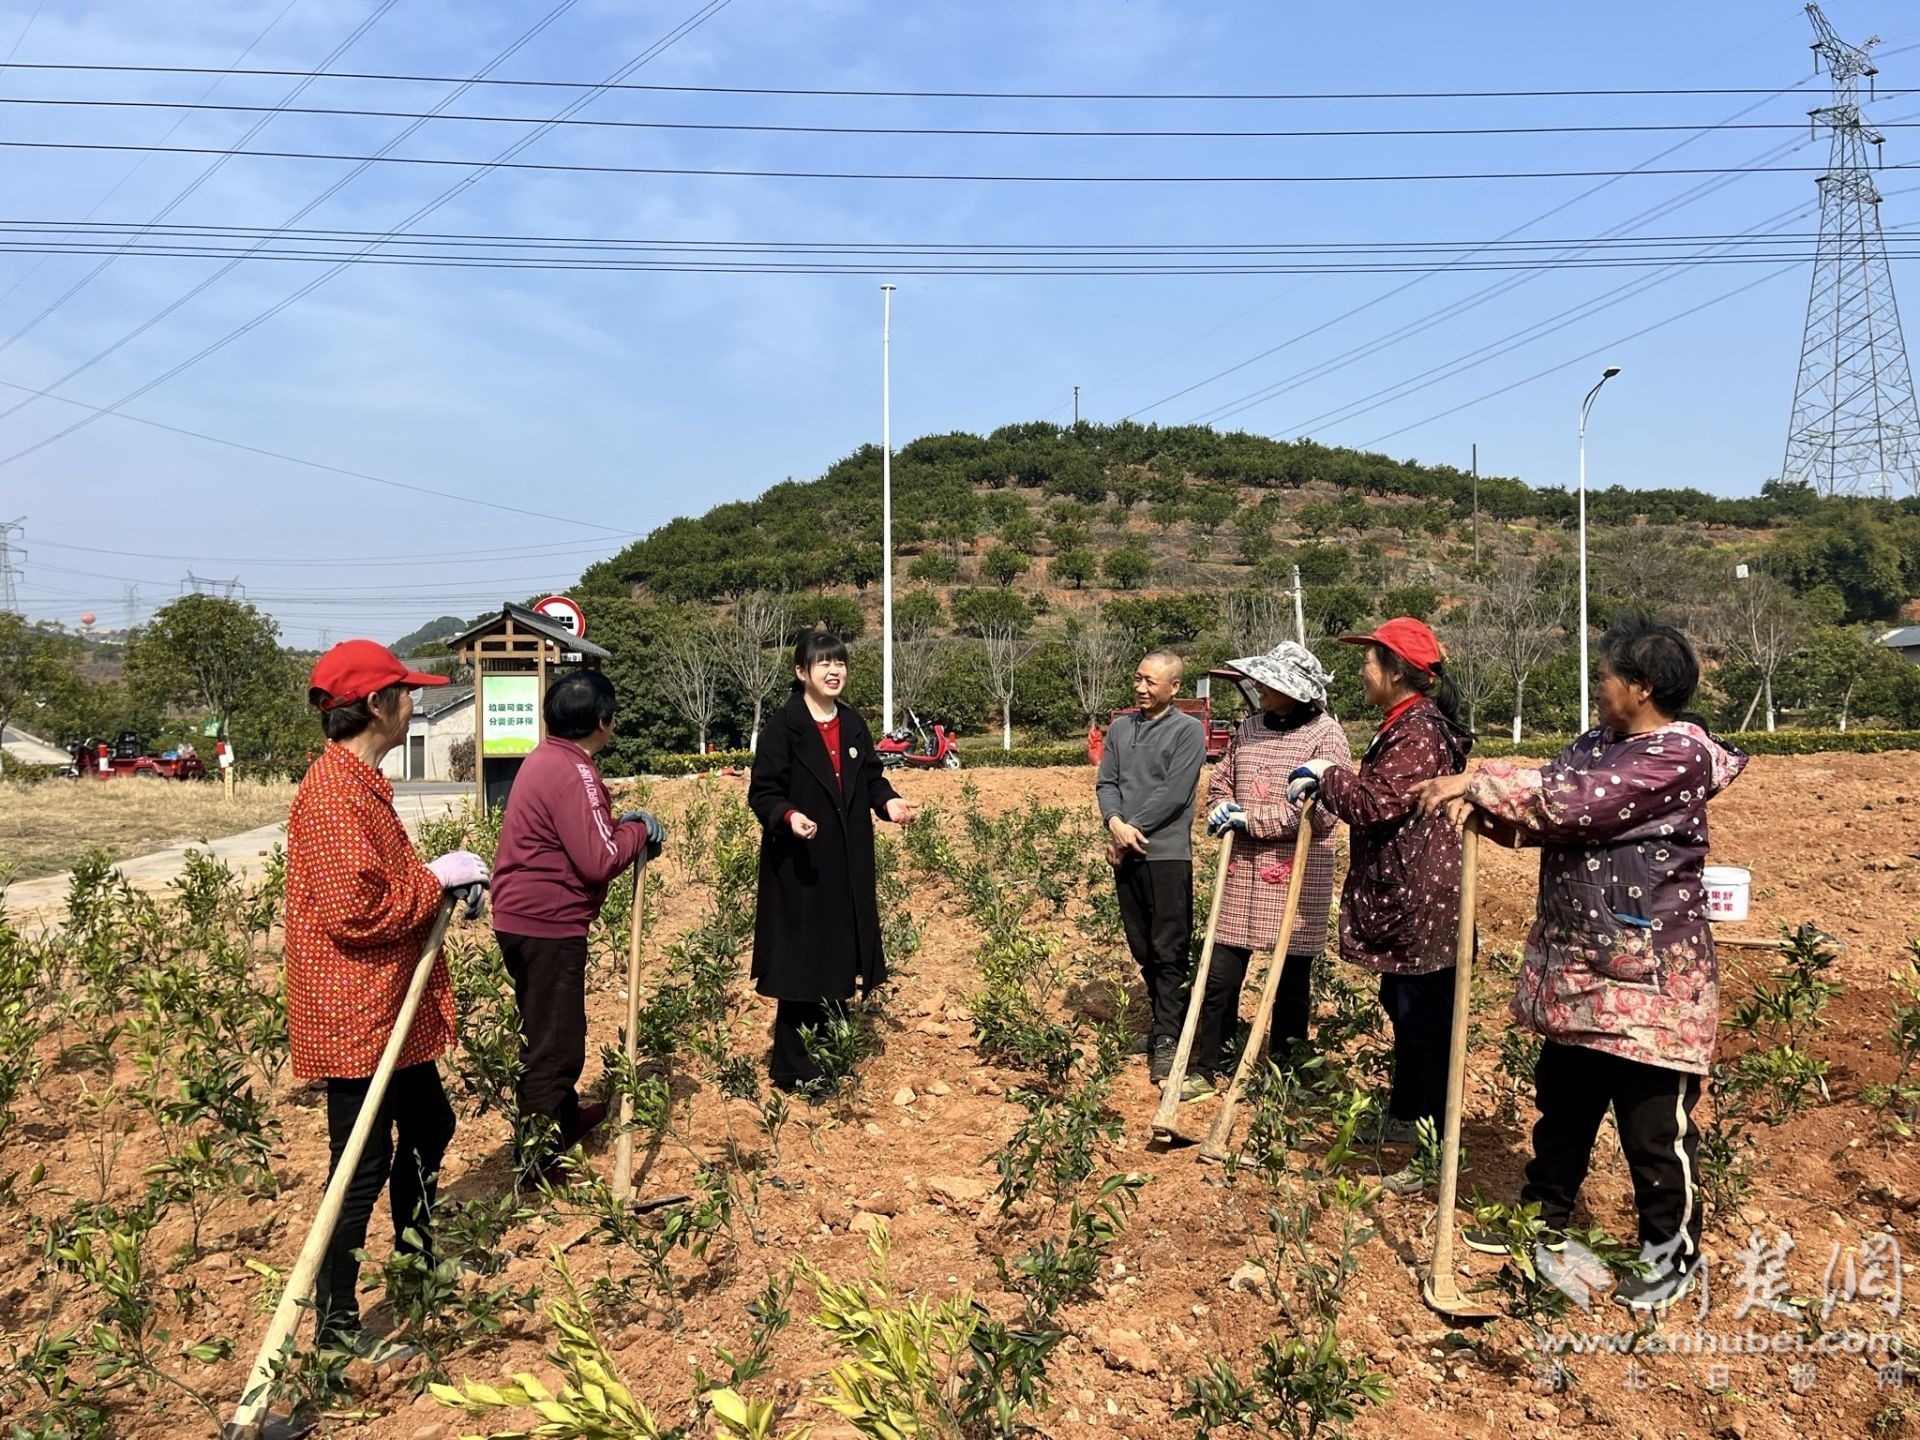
1620,957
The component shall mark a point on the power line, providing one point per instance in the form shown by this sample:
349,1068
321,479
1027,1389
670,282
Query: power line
970,132
1243,96
554,550
331,190
180,198
1764,156
684,28
171,130
347,472
714,172
473,261
863,247
1580,358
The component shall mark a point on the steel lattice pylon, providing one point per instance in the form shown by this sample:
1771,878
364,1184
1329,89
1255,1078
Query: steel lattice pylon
1855,429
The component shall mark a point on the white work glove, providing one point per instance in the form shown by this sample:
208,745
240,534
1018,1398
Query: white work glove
465,875
1225,816
1304,782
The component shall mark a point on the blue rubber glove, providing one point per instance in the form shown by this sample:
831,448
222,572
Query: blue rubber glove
1225,816
656,832
1304,782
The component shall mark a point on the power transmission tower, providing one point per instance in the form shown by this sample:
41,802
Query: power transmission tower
130,598
1855,430
10,572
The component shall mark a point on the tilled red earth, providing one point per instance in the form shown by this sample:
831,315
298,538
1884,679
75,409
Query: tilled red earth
1831,839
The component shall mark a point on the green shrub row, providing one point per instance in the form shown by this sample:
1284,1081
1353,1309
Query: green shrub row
1021,757
1754,742
1487,747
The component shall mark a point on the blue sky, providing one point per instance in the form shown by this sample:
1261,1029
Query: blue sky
618,400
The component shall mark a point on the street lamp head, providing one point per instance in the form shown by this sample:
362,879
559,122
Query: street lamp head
1609,372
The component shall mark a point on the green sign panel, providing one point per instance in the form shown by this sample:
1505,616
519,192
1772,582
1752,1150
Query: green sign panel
510,724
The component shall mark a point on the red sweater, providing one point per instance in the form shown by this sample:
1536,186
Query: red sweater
559,847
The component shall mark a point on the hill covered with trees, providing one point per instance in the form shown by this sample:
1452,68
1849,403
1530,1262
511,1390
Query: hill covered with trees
1023,556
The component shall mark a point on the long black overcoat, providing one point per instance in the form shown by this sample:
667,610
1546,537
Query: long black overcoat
817,931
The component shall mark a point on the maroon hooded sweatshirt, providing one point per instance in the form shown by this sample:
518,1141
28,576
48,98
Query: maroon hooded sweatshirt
559,845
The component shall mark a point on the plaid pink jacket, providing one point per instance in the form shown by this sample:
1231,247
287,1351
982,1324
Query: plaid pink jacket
1254,772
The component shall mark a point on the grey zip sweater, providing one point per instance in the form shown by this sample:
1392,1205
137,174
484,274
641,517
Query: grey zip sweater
1149,773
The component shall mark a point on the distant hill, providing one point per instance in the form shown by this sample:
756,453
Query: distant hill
441,629
1188,537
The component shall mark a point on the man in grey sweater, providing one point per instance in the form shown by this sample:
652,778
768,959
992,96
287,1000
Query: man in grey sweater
1149,774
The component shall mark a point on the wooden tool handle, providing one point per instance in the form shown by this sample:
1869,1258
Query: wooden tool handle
623,1149
1440,1277
1169,1110
1215,1147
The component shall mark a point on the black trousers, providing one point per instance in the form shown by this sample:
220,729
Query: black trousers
1420,1009
1156,910
409,1137
550,987
791,1066
1220,1007
1653,1111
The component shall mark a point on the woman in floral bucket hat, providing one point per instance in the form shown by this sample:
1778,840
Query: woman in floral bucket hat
1248,793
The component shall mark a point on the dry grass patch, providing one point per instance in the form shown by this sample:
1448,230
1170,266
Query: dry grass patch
47,826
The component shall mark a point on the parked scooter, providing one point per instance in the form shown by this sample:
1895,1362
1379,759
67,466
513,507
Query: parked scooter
914,745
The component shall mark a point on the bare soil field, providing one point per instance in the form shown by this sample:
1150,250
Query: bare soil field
925,1148
47,826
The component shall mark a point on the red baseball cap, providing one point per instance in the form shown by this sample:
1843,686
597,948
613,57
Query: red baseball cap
354,669
1406,637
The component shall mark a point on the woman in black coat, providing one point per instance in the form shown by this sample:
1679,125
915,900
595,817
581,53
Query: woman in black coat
817,784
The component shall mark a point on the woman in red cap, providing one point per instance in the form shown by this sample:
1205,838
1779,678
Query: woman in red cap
1401,906
360,905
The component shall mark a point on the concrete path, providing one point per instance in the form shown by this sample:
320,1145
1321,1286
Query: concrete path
40,903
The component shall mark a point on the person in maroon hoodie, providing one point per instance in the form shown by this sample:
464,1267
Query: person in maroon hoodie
1400,908
560,847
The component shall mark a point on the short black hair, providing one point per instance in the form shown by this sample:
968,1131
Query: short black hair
815,646
1657,656
578,704
346,721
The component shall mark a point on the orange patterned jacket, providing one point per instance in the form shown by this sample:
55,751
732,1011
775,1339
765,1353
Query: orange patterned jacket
360,904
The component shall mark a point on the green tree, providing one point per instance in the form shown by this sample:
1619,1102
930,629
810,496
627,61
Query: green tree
976,610
1317,518
934,566
36,669
1419,601
1128,567
1254,534
1210,508
1021,531
218,655
1323,564
1073,567
1003,564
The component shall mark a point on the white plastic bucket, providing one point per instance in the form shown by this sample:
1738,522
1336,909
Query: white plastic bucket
1727,889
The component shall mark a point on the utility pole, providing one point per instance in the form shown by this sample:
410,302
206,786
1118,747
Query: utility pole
886,508
10,572
1855,429
1473,605
1076,407
1476,503
1299,610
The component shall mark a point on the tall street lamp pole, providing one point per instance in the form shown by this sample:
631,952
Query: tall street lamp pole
886,508
1586,405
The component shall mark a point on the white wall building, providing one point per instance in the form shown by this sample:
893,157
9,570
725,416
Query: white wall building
441,716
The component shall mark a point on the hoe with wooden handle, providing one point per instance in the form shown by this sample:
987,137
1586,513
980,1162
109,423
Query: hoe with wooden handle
1441,1290
636,931
1164,1128
250,1419
1215,1148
